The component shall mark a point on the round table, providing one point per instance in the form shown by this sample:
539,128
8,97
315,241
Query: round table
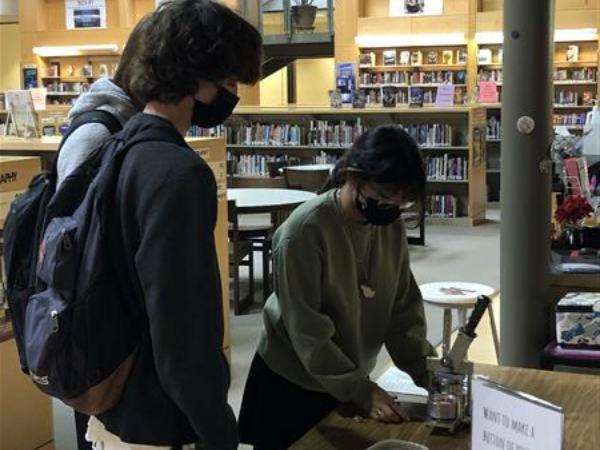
460,296
259,201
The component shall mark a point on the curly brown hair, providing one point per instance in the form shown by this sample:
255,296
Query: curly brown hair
183,42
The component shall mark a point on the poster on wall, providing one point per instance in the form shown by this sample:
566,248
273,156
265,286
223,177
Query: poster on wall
86,14
416,7
345,80
30,76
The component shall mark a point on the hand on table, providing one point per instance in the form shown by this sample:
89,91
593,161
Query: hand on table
382,407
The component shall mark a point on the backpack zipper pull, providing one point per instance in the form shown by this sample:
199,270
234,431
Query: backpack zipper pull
67,244
54,317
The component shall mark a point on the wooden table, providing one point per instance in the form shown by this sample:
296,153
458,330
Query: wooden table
579,395
44,147
277,202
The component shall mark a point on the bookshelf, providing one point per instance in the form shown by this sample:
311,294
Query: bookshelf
452,140
67,77
575,87
385,74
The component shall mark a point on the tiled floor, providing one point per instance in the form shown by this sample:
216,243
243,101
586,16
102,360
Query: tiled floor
452,253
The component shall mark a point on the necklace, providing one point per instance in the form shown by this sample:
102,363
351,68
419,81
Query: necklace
365,286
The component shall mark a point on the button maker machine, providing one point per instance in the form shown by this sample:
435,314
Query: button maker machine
449,401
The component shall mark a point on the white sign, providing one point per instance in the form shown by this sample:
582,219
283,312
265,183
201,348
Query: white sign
38,95
416,7
85,14
504,419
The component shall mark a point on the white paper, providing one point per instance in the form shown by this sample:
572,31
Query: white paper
86,14
399,383
38,95
416,7
508,420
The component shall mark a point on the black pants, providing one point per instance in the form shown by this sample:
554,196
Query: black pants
81,424
275,413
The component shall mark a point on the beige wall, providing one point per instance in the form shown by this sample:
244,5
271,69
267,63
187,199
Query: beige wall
273,89
314,78
10,57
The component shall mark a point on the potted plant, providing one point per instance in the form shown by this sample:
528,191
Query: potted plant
570,217
304,14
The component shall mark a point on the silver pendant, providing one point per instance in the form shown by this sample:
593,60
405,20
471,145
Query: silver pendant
367,291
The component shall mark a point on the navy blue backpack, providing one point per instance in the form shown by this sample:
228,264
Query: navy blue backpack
78,330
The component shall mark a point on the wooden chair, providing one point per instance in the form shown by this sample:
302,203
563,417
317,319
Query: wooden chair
241,254
306,180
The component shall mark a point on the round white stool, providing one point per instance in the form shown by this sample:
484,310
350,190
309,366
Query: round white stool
462,297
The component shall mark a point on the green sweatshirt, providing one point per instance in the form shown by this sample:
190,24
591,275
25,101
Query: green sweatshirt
321,332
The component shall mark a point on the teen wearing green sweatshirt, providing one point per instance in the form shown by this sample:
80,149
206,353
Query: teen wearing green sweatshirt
343,289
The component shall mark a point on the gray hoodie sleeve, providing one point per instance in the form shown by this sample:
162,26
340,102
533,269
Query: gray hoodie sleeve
79,146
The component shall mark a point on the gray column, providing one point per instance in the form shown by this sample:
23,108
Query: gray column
525,189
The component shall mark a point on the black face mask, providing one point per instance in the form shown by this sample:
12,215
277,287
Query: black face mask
215,113
376,214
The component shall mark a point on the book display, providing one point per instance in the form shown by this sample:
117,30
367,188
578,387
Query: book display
66,78
424,67
257,137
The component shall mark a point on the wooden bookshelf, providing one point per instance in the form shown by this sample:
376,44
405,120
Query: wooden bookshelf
463,121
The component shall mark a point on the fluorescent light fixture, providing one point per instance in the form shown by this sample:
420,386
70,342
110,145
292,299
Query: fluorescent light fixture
76,50
489,37
576,35
409,40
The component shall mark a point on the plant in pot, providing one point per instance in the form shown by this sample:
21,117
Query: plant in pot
304,14
570,217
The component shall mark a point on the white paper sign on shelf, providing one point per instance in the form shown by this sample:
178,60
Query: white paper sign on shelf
504,419
85,14
416,7
38,95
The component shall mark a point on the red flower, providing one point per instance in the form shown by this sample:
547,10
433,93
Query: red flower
572,211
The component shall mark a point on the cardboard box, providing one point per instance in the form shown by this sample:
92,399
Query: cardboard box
15,174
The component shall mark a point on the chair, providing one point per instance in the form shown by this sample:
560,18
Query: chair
462,297
261,237
306,180
241,254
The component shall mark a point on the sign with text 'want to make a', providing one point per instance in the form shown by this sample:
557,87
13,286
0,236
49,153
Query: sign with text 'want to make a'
504,419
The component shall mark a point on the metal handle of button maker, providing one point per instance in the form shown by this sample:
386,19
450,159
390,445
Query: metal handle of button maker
480,308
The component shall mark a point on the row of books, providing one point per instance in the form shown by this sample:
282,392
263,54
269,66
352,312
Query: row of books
70,87
442,206
586,74
433,135
574,98
323,133
490,75
414,58
254,165
489,56
446,168
432,77
570,119
494,128
390,96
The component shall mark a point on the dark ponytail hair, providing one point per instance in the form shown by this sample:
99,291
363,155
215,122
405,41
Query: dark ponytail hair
384,155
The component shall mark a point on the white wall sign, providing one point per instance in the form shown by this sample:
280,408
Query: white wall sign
504,419
85,14
416,7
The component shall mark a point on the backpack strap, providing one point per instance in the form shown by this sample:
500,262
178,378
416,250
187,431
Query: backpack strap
105,118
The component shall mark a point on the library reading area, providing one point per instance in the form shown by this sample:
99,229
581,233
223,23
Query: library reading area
430,167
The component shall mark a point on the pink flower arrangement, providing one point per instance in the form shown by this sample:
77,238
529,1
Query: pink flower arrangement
573,211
